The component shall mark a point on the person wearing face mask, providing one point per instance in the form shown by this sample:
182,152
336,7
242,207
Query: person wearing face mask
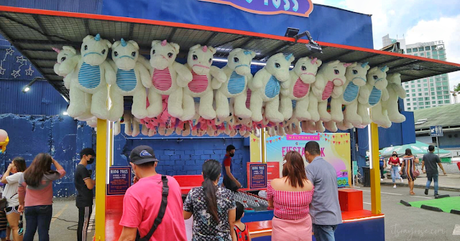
84,185
230,181
394,164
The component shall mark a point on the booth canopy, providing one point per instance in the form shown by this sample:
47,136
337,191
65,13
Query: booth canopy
35,32
418,149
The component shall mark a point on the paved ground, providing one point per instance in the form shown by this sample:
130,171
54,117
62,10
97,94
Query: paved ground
449,182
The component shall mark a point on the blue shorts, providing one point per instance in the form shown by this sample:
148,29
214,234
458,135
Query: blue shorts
3,233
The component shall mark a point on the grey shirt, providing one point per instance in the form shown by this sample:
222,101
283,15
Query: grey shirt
431,160
325,207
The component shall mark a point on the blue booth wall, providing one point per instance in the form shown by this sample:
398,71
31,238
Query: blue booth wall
327,24
179,155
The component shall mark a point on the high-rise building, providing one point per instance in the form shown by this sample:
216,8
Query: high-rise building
427,92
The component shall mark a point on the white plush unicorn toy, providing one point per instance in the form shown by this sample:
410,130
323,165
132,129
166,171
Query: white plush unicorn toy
356,78
395,91
168,78
92,75
238,71
294,102
199,62
373,93
267,86
329,83
132,79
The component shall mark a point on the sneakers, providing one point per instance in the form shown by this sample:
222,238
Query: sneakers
426,192
381,179
401,180
394,186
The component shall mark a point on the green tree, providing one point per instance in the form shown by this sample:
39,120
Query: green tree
457,88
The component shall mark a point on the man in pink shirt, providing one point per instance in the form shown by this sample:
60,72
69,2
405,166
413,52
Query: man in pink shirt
142,201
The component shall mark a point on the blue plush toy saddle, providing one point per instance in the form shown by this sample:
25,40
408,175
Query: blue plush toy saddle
236,83
351,92
272,88
126,80
374,98
89,76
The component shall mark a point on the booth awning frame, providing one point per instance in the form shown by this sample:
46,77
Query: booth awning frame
35,32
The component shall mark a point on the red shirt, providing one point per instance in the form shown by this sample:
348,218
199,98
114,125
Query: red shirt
393,161
242,235
142,202
226,163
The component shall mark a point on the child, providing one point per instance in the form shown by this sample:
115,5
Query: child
242,233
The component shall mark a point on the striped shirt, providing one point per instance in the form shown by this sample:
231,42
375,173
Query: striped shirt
126,80
161,79
3,221
290,205
89,76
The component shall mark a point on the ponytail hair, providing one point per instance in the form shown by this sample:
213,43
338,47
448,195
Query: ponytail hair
211,171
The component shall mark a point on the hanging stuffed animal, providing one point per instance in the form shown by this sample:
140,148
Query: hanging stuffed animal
329,83
294,102
67,62
92,75
356,78
267,84
131,124
238,72
395,91
168,78
199,62
374,92
132,79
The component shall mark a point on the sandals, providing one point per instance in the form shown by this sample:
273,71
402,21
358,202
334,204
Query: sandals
412,193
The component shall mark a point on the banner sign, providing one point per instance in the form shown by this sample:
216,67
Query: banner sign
273,171
334,148
119,180
257,175
301,8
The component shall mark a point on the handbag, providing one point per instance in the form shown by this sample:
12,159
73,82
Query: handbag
161,212
416,173
3,203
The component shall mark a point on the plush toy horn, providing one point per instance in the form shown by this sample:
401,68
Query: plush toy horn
346,64
98,37
205,48
56,50
164,42
384,68
364,64
288,57
247,52
123,42
313,61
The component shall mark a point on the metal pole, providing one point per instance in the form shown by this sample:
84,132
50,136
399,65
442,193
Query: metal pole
376,201
437,143
101,163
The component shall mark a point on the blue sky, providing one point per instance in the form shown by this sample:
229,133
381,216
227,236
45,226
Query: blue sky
415,20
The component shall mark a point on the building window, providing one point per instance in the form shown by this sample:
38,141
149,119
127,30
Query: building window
415,108
422,54
409,51
447,101
433,47
433,102
432,93
414,49
419,90
412,86
425,85
440,102
408,108
420,49
408,104
446,97
420,99
419,85
419,94
427,48
433,97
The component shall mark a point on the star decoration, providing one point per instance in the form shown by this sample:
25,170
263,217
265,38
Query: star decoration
16,73
21,59
2,70
29,71
9,51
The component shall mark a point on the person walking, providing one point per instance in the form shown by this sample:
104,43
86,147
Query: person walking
394,163
290,196
382,166
213,207
408,168
430,160
229,181
84,185
16,168
152,196
324,208
36,195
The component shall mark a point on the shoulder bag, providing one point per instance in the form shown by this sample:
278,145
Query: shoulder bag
161,212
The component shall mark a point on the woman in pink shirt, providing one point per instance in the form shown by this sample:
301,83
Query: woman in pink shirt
36,195
290,196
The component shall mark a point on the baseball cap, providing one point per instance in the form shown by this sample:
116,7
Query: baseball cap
142,154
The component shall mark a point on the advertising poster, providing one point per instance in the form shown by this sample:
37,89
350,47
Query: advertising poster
119,180
257,175
334,147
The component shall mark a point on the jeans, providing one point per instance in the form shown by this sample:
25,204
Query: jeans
428,182
324,232
38,217
381,171
394,173
84,214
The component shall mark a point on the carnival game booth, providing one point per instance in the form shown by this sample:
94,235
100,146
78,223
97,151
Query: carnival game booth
108,55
